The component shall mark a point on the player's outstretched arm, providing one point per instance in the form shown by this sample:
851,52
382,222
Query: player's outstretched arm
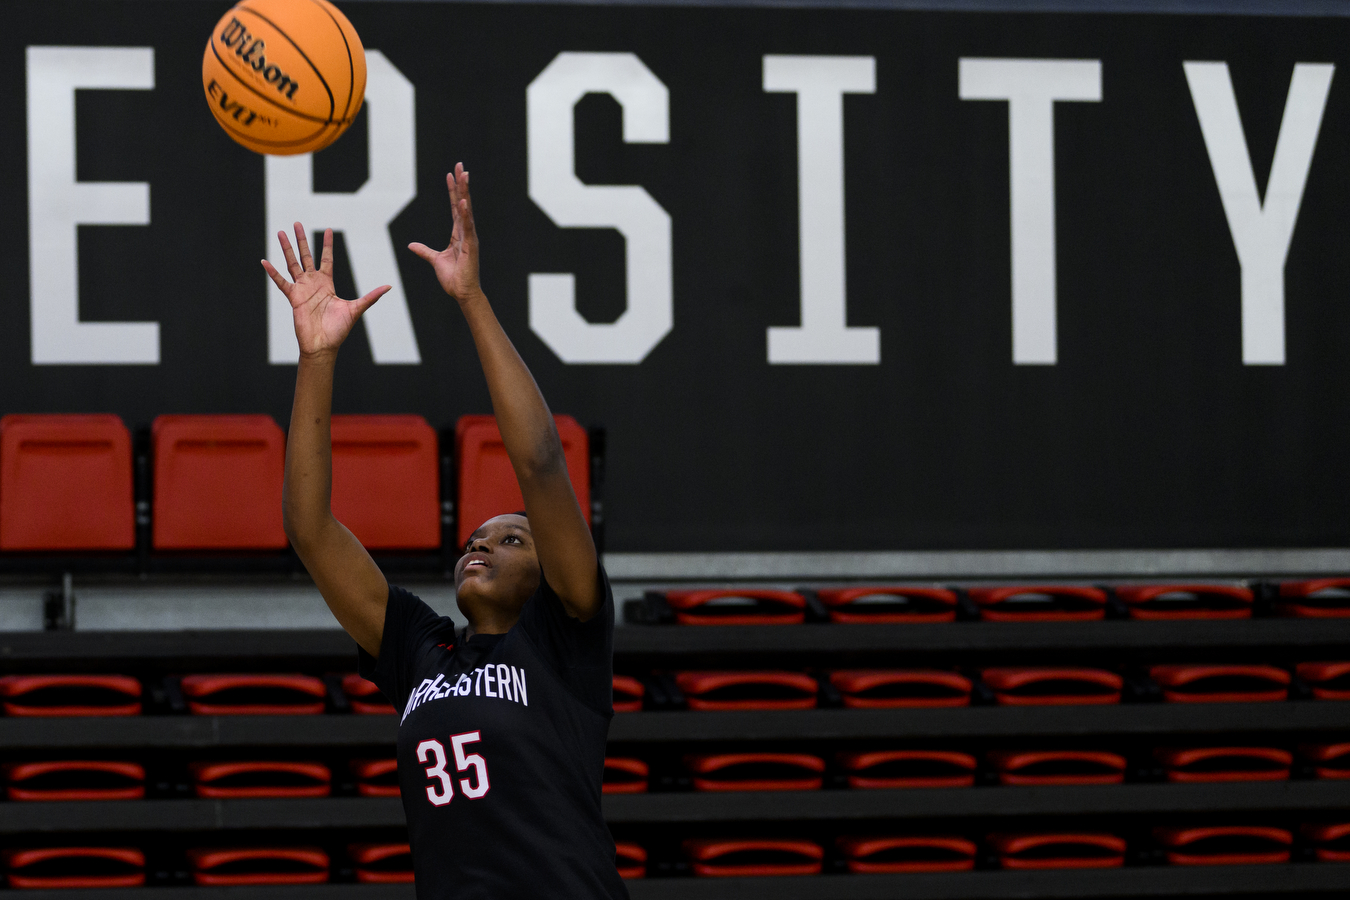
350,582
561,538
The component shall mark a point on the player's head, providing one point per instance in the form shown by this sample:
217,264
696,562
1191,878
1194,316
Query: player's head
498,572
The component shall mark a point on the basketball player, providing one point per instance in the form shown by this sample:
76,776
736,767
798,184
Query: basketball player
502,741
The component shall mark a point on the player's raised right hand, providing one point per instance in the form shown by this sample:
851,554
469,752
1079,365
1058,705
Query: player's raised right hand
322,319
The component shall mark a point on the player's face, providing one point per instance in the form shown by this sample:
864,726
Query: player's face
498,571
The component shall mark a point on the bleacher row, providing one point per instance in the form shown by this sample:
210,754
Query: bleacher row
779,767
212,483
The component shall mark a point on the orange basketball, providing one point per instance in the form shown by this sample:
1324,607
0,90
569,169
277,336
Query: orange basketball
284,76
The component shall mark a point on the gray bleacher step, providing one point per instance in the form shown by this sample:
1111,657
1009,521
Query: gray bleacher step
1313,797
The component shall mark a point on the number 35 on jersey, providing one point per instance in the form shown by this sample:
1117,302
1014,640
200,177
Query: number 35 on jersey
440,792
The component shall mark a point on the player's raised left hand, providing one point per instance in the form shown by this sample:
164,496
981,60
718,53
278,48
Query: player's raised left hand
457,265
322,319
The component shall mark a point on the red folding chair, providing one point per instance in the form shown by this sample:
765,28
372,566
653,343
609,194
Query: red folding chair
254,695
1225,845
218,483
737,606
1331,841
364,697
382,863
888,605
1064,850
1186,601
386,481
741,857
241,780
1208,764
625,775
75,780
1221,684
628,694
630,859
747,690
487,484
65,483
58,868
376,777
1058,767
883,769
1328,680
235,866
891,688
1322,598
47,696
886,855
1039,686
1328,760
756,771
1041,603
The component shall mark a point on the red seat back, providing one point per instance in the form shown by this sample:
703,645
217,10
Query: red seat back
232,694
1225,845
65,483
382,863
908,768
218,483
486,482
754,857
884,855
386,483
73,779
756,771
1063,850
1057,767
54,868
252,780
630,859
376,777
1205,764
258,865
888,688
625,775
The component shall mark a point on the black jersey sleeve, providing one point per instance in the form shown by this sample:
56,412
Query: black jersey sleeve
411,629
582,653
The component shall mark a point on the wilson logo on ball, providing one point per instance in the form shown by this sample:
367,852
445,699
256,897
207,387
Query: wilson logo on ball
284,76
252,51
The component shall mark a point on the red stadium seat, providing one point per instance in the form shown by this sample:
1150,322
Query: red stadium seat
737,606
56,868
908,769
1324,598
1331,841
1221,684
1058,767
382,863
1066,850
1053,687
893,605
376,777
218,483
45,696
386,481
747,690
1207,764
756,771
890,688
1328,680
254,695
885,855
624,775
75,780
233,866
1186,601
630,859
365,698
1225,845
628,694
250,780
65,483
487,483
1044,603
739,857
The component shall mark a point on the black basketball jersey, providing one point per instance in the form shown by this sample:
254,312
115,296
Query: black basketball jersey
501,749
